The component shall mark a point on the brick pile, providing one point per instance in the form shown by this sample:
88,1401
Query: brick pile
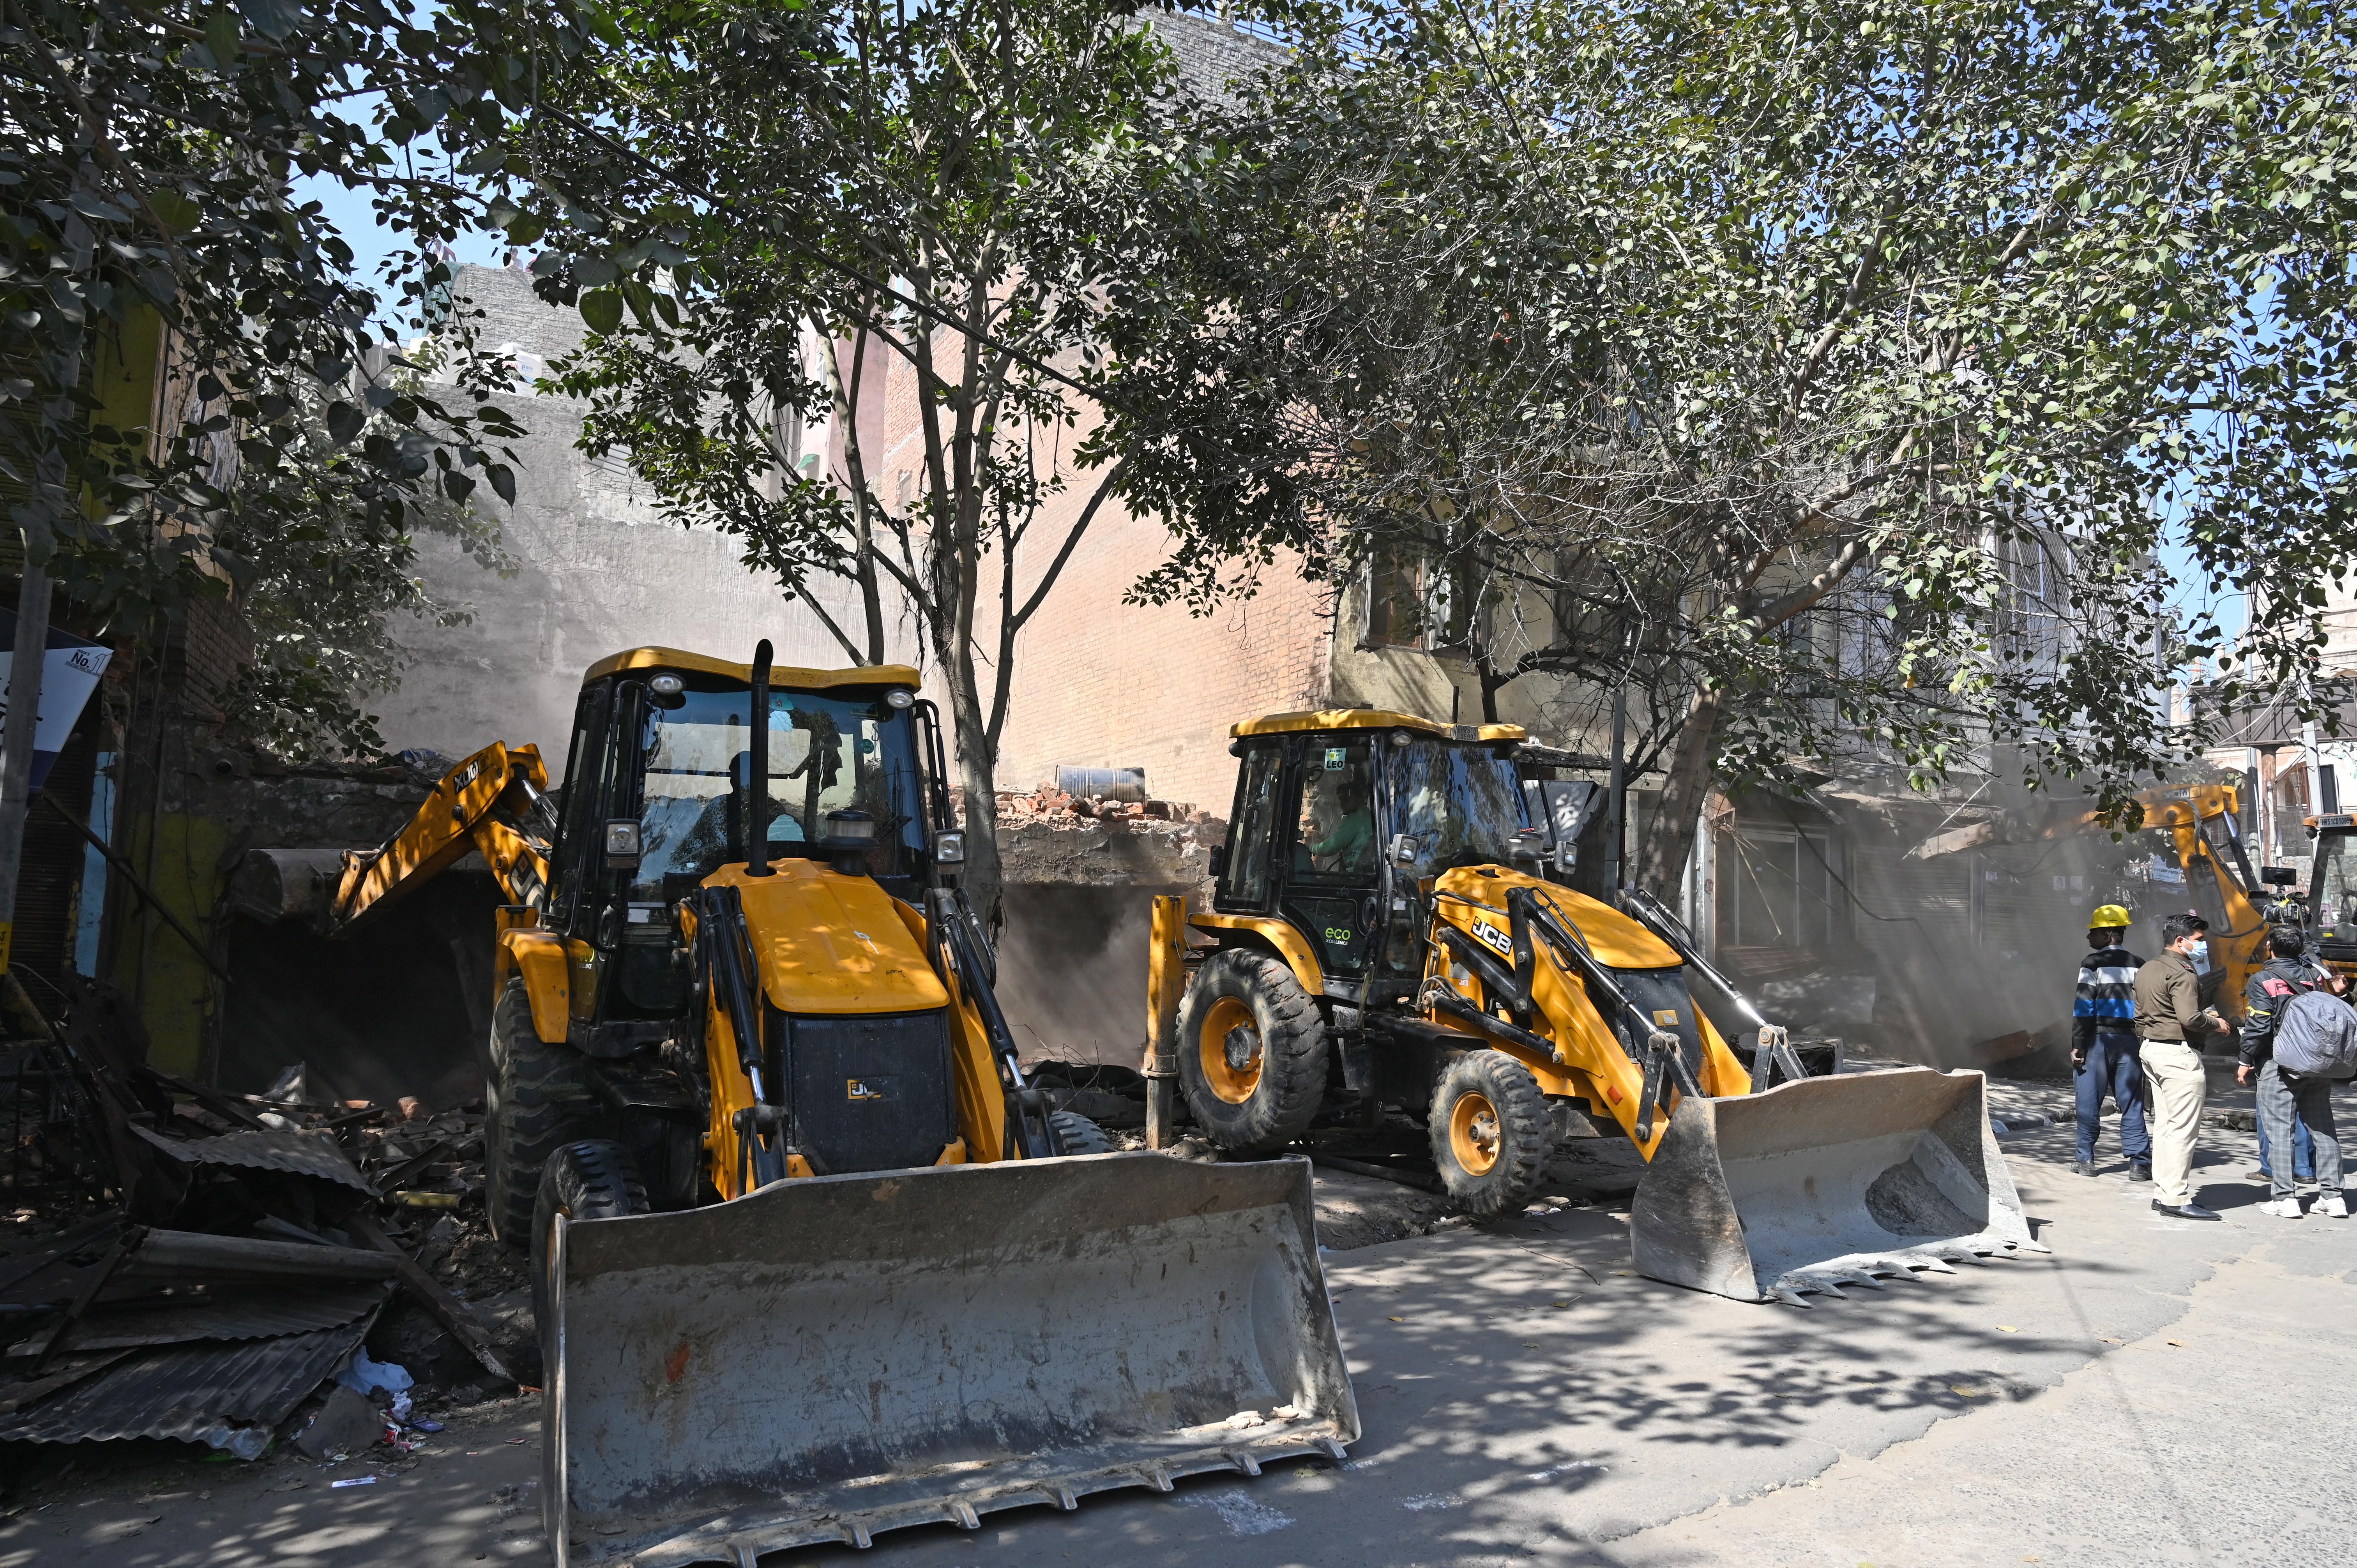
1055,809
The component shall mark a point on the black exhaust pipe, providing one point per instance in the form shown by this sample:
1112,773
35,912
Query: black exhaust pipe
756,808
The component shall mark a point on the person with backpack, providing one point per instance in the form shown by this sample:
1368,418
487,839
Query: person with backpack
2265,996
2104,1044
2315,1047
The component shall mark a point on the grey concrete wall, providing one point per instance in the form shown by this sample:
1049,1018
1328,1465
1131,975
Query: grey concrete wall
600,570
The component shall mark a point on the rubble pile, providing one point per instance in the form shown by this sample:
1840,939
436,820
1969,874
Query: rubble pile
1051,838
1055,809
230,1269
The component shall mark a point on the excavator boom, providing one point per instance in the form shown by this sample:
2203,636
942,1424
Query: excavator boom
493,802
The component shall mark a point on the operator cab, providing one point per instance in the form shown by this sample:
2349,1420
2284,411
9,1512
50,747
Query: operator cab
663,745
1342,817
2332,890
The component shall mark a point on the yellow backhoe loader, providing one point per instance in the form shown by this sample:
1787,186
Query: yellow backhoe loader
1385,937
813,1259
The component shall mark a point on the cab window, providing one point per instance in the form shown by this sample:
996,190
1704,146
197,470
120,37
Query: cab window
1334,837
826,754
1253,830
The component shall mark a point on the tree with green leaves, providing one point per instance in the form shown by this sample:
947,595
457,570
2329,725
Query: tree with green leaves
765,212
1835,375
146,160
178,328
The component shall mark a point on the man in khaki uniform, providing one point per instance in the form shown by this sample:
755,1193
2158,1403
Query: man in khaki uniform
2169,1013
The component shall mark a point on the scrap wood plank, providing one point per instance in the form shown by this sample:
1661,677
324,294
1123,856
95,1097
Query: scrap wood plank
452,1314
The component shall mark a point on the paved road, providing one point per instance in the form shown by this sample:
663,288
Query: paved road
2132,1398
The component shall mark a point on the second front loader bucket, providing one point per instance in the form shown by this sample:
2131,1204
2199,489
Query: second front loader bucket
1826,1182
829,1358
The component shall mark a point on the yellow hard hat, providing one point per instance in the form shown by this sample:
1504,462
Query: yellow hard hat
2107,916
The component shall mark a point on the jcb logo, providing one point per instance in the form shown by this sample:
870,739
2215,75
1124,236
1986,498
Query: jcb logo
1494,938
861,1088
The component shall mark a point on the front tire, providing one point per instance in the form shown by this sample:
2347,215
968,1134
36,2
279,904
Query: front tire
1492,1136
1076,1135
1252,1052
593,1179
535,1101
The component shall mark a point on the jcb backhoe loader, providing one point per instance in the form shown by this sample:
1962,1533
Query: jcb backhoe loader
1385,936
808,1262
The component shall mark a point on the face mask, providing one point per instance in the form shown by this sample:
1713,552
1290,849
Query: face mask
2198,952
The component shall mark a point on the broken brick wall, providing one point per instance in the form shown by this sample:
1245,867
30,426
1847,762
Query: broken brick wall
1081,882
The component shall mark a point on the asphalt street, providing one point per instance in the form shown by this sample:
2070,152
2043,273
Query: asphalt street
2151,1392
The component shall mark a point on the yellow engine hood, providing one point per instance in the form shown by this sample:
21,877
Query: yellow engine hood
827,944
1618,941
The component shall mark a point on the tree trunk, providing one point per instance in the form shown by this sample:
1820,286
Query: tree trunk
1669,838
978,772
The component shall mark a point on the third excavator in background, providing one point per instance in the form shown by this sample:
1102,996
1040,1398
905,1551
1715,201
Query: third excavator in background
1387,935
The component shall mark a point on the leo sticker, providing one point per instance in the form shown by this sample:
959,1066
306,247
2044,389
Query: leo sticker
1667,1018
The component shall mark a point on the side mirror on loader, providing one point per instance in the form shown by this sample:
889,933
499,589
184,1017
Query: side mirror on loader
624,844
1219,861
1566,857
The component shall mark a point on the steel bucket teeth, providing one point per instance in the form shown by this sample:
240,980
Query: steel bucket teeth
1825,1183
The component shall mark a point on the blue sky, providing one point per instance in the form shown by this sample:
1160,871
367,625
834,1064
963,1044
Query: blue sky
354,216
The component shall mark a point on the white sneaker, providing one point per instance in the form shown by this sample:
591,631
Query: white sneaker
2333,1207
2282,1207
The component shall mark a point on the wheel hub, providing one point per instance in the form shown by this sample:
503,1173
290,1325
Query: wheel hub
1243,1048
1473,1133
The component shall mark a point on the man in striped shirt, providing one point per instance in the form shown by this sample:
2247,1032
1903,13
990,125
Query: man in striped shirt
2104,1044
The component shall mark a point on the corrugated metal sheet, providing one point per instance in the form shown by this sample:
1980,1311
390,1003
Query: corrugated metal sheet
244,1315
184,1262
269,1149
228,1396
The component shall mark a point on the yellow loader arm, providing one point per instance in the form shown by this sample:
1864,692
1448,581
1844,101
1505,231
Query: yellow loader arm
1571,974
2187,813
494,801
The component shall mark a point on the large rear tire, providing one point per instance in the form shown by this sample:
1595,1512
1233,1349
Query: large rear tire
1252,1052
535,1100
589,1180
1492,1135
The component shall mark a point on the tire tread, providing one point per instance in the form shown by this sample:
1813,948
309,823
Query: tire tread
1293,1053
1526,1134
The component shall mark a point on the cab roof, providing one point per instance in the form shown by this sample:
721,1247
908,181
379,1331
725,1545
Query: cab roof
1374,718
780,676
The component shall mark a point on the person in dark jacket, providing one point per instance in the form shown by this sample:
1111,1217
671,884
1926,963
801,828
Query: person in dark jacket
2104,1044
2265,996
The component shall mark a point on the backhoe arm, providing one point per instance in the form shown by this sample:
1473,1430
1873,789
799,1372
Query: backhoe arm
495,802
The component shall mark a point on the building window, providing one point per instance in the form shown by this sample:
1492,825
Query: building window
1413,603
1781,888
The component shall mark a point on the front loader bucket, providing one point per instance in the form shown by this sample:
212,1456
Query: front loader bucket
1826,1182
829,1358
